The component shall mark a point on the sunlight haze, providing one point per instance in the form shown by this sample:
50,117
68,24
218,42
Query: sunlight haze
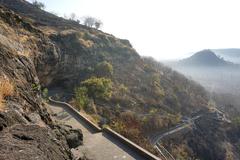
163,29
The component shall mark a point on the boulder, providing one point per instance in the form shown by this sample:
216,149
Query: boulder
74,138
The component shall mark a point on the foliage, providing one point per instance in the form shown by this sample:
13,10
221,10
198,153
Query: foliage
38,4
122,89
236,121
98,88
130,126
104,69
45,93
180,152
155,82
156,122
36,87
81,97
90,107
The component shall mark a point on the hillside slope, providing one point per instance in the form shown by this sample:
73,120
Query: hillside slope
145,96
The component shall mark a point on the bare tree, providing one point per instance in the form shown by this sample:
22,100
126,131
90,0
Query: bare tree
98,24
65,16
92,22
89,21
72,16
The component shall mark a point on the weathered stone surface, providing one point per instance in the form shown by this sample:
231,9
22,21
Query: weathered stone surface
31,142
74,137
27,131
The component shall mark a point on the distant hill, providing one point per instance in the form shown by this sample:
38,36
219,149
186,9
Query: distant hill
210,70
204,58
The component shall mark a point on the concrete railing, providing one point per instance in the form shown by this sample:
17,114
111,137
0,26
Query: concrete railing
81,116
144,153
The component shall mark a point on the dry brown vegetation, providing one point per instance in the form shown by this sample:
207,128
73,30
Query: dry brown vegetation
6,89
86,43
20,41
1,103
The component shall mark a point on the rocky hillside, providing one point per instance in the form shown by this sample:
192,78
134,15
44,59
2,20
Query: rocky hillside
40,49
26,128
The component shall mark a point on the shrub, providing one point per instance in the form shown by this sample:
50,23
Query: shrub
155,83
104,69
81,97
123,89
98,88
36,87
90,107
236,121
45,93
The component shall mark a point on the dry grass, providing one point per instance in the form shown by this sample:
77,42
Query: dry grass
1,103
86,43
6,89
19,41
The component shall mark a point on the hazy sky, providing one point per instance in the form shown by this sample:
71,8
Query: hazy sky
163,29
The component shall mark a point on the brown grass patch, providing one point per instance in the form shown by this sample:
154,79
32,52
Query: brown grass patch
86,43
6,89
1,103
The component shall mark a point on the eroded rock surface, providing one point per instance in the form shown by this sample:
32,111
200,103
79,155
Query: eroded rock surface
32,142
27,131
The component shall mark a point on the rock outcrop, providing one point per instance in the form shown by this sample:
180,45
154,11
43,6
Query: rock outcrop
26,128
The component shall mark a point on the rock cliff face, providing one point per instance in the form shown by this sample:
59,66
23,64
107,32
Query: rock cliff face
26,129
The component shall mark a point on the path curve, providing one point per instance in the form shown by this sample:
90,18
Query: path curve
97,145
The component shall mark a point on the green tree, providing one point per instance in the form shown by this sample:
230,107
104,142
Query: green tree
104,69
81,97
98,87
